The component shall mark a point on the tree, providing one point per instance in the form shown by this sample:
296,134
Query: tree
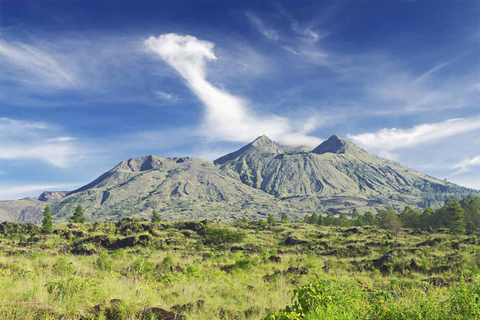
410,218
314,218
284,218
387,218
369,219
270,219
343,220
78,215
355,214
427,218
454,216
47,225
155,217
320,221
330,219
471,205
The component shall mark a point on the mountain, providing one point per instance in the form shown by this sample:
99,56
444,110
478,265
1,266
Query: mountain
262,177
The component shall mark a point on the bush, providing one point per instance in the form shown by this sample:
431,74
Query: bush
218,236
62,267
104,262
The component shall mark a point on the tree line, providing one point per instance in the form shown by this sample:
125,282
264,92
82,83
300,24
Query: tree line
460,217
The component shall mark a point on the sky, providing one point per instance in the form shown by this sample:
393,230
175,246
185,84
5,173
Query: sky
85,85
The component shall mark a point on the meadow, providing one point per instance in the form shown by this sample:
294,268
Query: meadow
138,269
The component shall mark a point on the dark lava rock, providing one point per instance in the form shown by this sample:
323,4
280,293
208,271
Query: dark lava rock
189,307
176,269
295,270
353,230
159,314
275,259
384,264
290,241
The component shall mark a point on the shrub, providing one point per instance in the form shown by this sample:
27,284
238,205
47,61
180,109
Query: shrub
62,267
220,236
65,289
140,267
104,262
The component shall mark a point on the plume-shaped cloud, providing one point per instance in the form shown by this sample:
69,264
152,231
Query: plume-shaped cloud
227,116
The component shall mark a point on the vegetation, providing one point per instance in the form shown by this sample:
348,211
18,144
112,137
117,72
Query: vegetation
155,217
332,267
259,179
47,223
459,217
78,215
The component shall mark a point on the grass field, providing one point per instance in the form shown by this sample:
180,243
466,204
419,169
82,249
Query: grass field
206,270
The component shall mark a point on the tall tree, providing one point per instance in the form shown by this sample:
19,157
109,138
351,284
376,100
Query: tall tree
78,215
270,219
330,219
471,205
410,218
454,216
47,225
284,218
155,217
388,218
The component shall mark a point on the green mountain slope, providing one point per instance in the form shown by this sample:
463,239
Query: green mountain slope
261,178
335,175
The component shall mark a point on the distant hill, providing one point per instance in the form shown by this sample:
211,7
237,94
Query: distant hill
261,178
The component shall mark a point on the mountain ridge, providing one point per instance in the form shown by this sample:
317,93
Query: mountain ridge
260,178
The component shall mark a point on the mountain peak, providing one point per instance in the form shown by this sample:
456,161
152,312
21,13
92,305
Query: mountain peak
262,144
335,144
262,141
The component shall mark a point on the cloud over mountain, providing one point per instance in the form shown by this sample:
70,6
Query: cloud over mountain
227,116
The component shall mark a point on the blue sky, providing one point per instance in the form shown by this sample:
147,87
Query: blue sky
85,85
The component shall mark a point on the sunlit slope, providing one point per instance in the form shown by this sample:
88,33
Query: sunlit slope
261,178
175,187
337,172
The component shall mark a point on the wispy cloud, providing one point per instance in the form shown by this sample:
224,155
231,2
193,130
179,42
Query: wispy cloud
385,141
260,26
30,140
8,192
303,43
466,165
227,116
29,64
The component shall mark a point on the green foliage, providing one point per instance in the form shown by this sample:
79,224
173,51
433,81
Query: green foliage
155,217
62,267
221,236
388,218
140,267
284,218
244,264
270,219
333,299
78,215
66,289
104,262
453,216
47,224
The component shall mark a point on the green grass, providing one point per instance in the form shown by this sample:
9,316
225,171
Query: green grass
176,266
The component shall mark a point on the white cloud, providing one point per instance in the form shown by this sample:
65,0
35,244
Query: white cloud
385,141
260,26
35,65
8,192
227,116
466,164
30,140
